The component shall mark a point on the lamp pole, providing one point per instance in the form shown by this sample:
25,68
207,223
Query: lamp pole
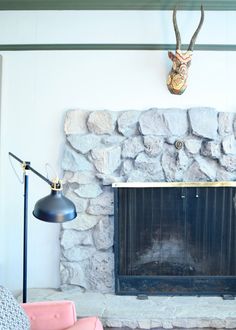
54,208
25,240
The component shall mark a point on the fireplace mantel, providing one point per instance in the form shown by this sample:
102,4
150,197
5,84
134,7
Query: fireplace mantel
173,184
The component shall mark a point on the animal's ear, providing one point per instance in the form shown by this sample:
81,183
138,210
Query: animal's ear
171,56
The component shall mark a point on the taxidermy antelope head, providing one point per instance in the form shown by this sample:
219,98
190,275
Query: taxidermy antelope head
177,78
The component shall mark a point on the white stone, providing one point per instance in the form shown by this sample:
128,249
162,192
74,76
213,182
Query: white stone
228,162
194,173
79,253
193,145
153,145
144,324
82,222
132,146
229,144
70,238
211,149
83,177
106,160
90,190
108,179
147,164
174,165
225,120
204,122
73,273
127,123
152,122
207,167
102,205
80,203
127,166
75,122
84,143
103,234
176,121
101,122
223,175
101,272
110,140
72,161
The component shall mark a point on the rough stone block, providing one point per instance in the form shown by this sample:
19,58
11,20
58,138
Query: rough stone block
194,173
153,145
72,161
70,238
101,122
176,121
211,149
100,273
106,160
103,234
82,222
152,122
204,122
111,140
80,203
174,165
102,205
147,164
127,166
75,122
128,123
108,179
84,143
132,146
83,177
207,167
229,145
90,190
228,162
193,145
225,120
79,253
73,273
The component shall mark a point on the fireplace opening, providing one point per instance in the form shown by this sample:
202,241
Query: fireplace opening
175,238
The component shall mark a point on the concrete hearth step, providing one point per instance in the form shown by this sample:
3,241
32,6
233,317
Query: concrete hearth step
153,313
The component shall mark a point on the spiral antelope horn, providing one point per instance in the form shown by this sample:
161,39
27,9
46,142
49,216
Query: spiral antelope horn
194,37
177,34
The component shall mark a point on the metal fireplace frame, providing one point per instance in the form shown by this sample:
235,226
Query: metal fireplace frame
168,285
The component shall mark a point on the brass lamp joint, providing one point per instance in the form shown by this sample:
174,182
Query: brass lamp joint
25,166
56,184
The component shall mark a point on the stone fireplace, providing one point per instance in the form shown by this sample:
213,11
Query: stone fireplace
105,147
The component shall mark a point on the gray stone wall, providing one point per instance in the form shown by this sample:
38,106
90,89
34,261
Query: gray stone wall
103,147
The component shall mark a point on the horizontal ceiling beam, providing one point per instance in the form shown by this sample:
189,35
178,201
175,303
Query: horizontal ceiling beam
116,4
56,47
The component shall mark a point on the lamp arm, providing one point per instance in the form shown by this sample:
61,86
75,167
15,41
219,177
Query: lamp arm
29,167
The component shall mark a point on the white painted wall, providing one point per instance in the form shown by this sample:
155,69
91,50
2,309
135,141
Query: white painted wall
38,87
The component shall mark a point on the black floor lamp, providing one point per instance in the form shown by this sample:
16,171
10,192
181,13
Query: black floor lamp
54,208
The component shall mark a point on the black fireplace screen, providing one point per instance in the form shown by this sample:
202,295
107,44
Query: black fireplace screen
178,240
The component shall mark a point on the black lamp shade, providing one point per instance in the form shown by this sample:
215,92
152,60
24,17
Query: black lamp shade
55,208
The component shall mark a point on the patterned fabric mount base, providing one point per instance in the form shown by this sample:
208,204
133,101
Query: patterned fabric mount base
12,316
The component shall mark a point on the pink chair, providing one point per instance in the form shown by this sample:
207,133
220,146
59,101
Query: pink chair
58,315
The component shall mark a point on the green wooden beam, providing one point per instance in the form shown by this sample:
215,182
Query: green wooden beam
116,4
56,47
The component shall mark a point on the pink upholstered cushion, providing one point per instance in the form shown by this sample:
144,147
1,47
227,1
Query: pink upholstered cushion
88,323
51,315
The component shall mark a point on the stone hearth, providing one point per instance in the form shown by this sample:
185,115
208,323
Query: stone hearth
103,147
156,312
